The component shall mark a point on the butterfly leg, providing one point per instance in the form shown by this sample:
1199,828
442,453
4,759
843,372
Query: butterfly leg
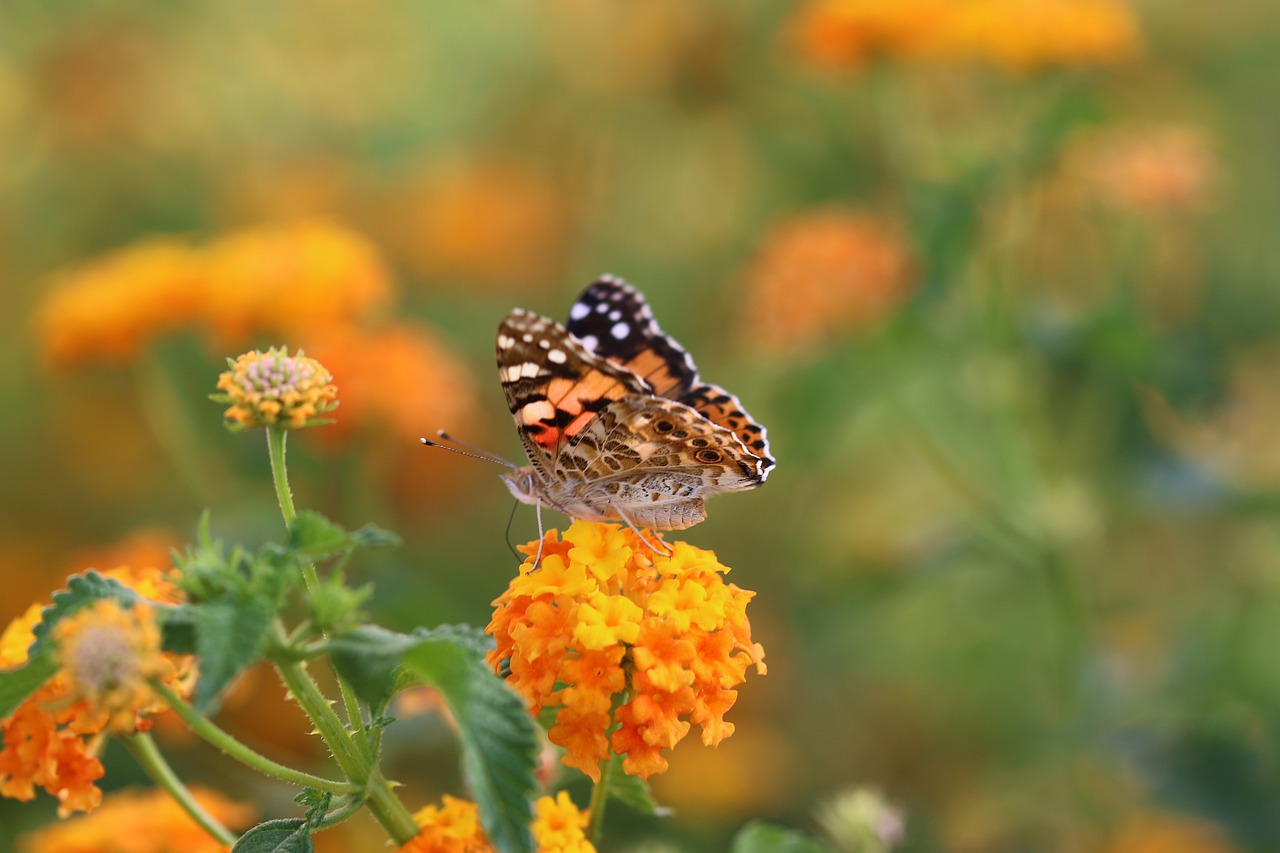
542,537
663,551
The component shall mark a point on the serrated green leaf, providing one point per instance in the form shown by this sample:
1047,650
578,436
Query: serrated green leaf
229,636
369,657
761,837
290,835
17,684
317,537
82,590
499,744
634,791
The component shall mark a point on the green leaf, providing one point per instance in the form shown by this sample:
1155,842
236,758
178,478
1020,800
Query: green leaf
334,605
499,742
634,791
373,536
178,629
17,684
229,637
316,537
82,590
368,657
761,837
291,835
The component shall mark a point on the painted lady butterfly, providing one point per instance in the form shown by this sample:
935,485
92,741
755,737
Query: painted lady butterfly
616,423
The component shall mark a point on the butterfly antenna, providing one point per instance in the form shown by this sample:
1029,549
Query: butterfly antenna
479,451
474,455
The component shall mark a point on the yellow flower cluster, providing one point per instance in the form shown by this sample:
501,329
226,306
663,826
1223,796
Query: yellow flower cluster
632,645
276,389
133,821
1012,34
558,827
279,279
52,739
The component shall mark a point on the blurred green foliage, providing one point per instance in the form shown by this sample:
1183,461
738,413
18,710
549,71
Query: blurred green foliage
1017,567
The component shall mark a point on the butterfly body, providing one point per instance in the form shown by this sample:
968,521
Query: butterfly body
615,421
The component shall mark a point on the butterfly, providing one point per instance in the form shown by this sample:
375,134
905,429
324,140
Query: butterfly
614,419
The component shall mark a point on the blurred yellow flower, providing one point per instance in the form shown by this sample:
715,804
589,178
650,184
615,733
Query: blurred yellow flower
108,653
455,828
111,308
1013,34
139,821
52,739
824,273
292,279
666,632
274,388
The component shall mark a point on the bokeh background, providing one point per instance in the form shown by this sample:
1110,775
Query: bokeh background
998,275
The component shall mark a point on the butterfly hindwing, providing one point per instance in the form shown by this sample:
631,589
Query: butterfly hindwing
612,319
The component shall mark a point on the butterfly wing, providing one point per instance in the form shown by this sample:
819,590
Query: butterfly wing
553,385
613,321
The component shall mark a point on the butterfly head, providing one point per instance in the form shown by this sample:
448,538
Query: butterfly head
525,484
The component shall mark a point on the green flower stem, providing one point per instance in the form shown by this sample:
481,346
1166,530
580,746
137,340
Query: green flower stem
599,796
245,755
276,437
358,767
148,755
276,441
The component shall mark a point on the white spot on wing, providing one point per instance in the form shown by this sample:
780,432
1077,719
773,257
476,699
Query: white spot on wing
527,338
615,315
536,411
544,343
579,310
591,342
557,356
601,308
619,330
504,342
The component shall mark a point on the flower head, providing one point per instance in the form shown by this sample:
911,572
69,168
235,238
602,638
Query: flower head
52,739
823,273
132,821
276,389
632,646
108,653
454,827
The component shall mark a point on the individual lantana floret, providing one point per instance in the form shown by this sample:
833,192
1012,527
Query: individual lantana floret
151,820
605,615
53,738
274,388
558,827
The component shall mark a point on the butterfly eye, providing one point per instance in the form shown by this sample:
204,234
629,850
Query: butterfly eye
708,455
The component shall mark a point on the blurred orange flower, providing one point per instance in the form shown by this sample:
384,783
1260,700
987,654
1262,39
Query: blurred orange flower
111,308
455,828
52,739
1013,34
292,279
400,379
601,616
823,273
478,222
1147,169
1169,834
139,821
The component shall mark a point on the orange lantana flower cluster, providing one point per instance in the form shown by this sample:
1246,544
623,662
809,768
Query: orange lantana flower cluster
284,279
822,273
146,821
558,827
633,645
52,739
1013,34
